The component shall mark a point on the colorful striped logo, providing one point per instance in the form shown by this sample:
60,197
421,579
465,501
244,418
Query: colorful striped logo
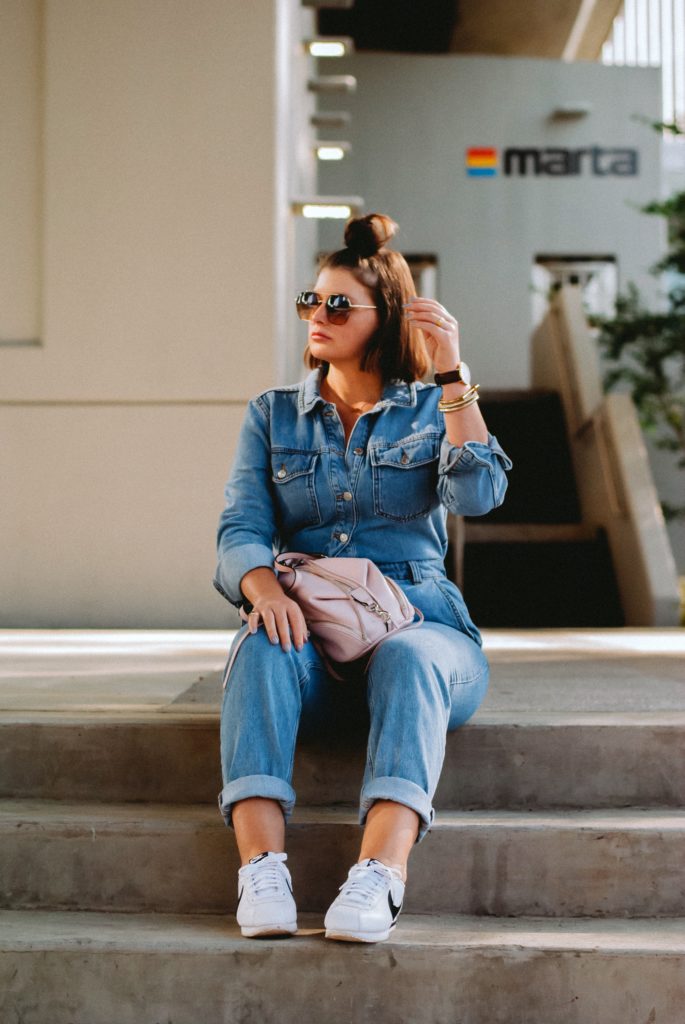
481,162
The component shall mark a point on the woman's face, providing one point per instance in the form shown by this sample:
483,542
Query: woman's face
342,343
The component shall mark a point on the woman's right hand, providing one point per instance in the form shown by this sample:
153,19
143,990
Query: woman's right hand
282,617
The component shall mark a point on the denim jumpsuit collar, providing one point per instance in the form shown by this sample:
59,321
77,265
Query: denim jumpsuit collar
395,392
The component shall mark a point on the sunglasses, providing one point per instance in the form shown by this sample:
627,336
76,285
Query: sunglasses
338,307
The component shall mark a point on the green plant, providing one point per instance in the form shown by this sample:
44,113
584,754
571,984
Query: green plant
645,350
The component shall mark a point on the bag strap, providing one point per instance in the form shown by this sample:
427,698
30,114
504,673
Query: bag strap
346,583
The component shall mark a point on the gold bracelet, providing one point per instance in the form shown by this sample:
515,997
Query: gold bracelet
466,394
458,406
450,405
447,406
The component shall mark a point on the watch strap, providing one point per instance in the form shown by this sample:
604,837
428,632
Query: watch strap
451,377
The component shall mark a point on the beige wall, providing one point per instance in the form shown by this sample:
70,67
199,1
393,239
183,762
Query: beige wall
20,170
165,193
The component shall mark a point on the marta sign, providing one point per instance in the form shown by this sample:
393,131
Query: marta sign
482,162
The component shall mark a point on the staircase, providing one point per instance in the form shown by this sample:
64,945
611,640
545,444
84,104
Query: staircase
551,888
533,562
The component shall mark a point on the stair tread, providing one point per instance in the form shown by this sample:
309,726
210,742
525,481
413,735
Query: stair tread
69,679
24,930
484,718
146,817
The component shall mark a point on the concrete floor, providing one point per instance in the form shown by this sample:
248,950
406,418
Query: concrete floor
586,672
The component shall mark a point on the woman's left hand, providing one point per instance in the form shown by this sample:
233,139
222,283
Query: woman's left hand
440,331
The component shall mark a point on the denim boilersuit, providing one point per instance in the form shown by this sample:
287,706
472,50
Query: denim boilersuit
296,485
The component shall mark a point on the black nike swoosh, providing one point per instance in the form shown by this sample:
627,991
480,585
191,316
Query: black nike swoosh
394,909
239,898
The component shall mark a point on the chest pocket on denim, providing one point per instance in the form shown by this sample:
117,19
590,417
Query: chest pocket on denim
292,474
405,476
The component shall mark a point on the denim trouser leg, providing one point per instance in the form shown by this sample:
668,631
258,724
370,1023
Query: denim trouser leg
420,684
260,714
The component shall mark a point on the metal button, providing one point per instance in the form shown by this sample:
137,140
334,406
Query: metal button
347,496
344,537
358,451
405,459
281,473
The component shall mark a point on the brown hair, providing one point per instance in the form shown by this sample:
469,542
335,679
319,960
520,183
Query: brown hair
396,348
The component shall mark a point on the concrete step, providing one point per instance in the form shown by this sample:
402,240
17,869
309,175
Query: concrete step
502,759
81,968
175,859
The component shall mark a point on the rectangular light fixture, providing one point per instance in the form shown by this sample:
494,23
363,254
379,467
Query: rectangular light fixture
328,207
346,4
329,47
332,83
571,111
332,150
333,120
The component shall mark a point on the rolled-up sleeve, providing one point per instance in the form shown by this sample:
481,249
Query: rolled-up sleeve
247,527
472,479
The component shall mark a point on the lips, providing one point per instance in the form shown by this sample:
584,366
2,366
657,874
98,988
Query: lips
317,334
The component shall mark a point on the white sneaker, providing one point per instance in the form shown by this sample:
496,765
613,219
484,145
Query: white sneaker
265,897
368,905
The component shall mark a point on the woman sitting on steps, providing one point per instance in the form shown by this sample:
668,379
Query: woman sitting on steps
357,460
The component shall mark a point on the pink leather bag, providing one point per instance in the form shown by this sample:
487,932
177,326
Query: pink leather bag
349,606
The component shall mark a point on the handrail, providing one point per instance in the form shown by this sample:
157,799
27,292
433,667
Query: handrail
615,486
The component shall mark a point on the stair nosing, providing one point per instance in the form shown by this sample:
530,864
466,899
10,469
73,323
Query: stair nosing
146,817
76,930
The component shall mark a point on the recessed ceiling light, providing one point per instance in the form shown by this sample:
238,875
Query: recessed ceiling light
332,83
328,3
328,207
333,119
332,150
329,47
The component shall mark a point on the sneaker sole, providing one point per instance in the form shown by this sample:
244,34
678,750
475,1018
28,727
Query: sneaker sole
263,930
357,937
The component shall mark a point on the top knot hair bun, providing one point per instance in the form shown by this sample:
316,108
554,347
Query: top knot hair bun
365,236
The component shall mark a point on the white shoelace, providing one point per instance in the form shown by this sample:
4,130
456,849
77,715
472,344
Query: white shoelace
365,881
265,878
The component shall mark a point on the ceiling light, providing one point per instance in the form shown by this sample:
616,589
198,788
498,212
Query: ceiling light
323,47
325,207
328,3
332,150
332,83
333,120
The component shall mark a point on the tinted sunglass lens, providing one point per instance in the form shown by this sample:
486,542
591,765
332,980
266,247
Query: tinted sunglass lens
306,303
337,308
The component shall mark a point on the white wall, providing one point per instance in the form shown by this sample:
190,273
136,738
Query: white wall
166,232
413,117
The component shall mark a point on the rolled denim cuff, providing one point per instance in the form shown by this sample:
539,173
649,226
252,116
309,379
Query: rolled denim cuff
402,791
472,453
267,786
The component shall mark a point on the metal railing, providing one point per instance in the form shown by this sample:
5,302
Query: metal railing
651,33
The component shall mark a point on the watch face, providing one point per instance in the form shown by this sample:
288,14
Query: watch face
465,373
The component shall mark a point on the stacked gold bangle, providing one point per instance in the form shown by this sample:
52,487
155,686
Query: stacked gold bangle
468,398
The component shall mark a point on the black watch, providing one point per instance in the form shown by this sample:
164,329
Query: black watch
461,374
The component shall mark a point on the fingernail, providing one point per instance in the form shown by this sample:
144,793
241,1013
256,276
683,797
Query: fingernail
273,639
298,647
286,648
